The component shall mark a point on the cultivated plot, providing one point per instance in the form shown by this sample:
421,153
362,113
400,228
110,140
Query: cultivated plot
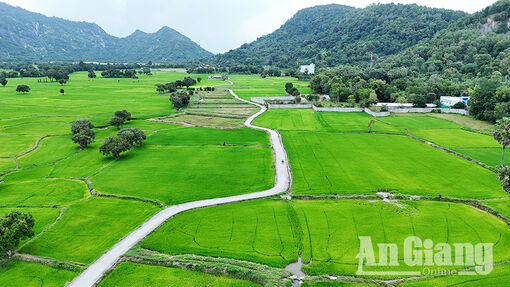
28,274
139,275
89,228
248,86
332,163
323,232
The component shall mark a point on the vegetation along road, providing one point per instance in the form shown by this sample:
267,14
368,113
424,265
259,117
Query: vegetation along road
96,270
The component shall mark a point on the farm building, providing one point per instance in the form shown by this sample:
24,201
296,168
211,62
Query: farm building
448,102
308,69
216,77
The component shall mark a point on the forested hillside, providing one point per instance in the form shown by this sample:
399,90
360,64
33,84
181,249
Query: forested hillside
27,36
469,58
335,34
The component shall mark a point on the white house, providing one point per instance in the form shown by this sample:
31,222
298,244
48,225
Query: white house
308,69
450,101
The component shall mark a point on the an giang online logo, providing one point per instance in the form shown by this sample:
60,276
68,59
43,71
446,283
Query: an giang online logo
424,257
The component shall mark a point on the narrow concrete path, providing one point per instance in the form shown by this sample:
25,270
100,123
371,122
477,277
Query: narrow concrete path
93,274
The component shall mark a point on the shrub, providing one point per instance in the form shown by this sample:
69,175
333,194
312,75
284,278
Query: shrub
460,106
22,89
384,108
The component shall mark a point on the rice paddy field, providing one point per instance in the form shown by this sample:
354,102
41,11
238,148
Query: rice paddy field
84,203
324,232
128,273
248,86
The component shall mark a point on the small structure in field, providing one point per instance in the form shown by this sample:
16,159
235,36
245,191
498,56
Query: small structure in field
308,69
215,77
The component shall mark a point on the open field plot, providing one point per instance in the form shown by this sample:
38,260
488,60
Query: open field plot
353,122
6,164
96,99
248,86
29,274
36,126
181,174
414,122
308,120
214,109
139,275
89,228
179,135
330,163
43,192
50,149
447,132
501,205
13,145
466,122
274,232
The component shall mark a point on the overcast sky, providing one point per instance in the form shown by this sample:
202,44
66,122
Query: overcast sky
217,25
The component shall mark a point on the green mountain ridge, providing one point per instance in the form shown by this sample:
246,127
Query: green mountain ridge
28,36
331,35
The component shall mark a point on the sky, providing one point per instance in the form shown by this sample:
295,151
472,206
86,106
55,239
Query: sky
217,25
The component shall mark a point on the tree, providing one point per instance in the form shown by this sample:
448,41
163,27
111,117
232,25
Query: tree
179,100
501,134
62,91
125,115
14,227
84,138
117,121
504,178
3,81
81,124
288,87
420,101
62,81
188,82
460,106
83,133
160,88
22,89
133,136
114,146
199,80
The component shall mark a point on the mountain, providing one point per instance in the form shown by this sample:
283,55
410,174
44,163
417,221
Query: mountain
335,34
166,45
28,36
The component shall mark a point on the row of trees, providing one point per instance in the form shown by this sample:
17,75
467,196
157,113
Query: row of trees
291,90
126,139
173,86
117,73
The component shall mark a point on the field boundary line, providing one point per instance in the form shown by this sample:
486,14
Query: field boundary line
95,272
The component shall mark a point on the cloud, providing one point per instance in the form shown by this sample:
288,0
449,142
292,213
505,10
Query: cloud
218,25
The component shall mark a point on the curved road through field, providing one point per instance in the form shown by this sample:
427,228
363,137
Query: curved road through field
93,274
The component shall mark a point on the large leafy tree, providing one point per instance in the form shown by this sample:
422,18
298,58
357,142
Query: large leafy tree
14,227
114,146
133,136
83,133
501,134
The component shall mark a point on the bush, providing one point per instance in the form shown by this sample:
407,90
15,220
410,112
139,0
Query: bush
460,106
22,89
420,101
384,108
180,100
436,111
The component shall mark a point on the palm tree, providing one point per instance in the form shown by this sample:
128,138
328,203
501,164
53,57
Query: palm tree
501,134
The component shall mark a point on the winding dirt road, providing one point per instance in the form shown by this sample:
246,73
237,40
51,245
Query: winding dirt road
93,274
